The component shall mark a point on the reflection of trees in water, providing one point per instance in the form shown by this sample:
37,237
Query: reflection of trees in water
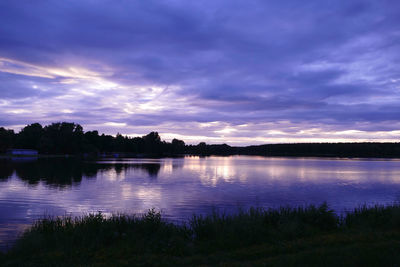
6,170
177,164
152,169
62,172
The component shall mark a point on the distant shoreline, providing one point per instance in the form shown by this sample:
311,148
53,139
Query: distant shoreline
64,138
236,151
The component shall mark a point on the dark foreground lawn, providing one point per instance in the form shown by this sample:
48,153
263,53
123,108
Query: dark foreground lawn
284,237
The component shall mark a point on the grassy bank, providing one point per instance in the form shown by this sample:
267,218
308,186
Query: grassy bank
283,237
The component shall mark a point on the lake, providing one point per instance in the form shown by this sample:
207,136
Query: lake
180,187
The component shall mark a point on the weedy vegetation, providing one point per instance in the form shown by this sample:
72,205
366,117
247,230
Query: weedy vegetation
312,235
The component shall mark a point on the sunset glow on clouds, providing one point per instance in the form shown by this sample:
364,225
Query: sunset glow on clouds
235,72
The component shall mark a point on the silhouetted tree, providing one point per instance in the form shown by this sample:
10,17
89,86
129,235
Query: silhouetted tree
152,142
29,137
91,142
62,138
6,139
178,146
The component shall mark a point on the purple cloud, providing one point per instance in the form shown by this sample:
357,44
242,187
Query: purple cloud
215,71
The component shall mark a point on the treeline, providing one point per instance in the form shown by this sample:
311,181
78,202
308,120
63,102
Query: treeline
69,138
389,150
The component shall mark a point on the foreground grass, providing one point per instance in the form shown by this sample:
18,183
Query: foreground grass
282,237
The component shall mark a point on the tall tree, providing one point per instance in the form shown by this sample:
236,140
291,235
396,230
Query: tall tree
6,139
30,136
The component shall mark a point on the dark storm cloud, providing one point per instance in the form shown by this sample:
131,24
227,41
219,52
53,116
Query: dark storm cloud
159,63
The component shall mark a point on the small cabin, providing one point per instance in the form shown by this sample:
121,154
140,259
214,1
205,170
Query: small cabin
22,152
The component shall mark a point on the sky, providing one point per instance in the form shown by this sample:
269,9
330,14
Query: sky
235,72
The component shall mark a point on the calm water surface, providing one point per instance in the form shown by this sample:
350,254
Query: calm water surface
179,187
